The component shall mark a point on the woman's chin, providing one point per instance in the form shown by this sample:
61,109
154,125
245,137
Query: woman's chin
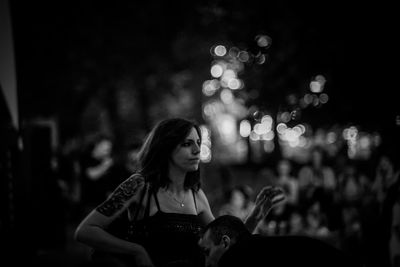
196,168
193,168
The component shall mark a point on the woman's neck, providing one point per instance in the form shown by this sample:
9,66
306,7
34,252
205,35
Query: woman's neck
177,178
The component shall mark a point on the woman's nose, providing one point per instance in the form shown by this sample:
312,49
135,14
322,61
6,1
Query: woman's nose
196,149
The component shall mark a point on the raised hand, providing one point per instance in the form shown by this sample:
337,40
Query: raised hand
268,197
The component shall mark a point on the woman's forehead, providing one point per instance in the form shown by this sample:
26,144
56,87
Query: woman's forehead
193,134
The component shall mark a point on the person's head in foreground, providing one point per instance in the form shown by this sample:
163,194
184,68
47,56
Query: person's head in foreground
227,242
219,235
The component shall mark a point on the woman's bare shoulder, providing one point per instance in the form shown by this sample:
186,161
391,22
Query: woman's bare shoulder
200,194
204,207
201,197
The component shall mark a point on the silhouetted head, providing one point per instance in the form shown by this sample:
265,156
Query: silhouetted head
219,235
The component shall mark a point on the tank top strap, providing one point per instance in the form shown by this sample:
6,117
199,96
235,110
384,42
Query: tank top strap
147,210
194,198
143,193
156,199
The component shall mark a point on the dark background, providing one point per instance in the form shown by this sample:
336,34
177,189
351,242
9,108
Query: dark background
66,52
70,54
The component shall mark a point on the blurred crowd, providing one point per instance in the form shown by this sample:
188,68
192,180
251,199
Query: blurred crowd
351,205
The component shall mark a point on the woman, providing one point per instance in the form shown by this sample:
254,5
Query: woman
166,207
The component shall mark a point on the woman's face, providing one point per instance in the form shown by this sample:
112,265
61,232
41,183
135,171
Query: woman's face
186,156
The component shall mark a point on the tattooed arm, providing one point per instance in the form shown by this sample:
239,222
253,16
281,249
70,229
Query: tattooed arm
91,231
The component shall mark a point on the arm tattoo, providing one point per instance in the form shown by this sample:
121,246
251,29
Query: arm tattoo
124,192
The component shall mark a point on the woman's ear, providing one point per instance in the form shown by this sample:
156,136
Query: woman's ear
226,241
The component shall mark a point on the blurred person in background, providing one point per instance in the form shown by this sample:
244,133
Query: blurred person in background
376,210
316,221
95,165
390,218
287,180
277,222
124,167
318,183
165,207
352,185
315,176
296,223
384,177
394,241
350,232
239,202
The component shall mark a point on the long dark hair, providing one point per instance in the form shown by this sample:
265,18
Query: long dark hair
157,149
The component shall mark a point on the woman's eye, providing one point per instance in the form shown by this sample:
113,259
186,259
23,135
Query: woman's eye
186,144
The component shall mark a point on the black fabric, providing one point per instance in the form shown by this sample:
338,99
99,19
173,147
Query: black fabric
285,251
170,238
102,258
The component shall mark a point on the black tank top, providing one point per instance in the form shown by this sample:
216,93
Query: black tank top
171,239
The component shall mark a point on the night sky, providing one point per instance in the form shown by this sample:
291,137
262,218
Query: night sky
57,44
